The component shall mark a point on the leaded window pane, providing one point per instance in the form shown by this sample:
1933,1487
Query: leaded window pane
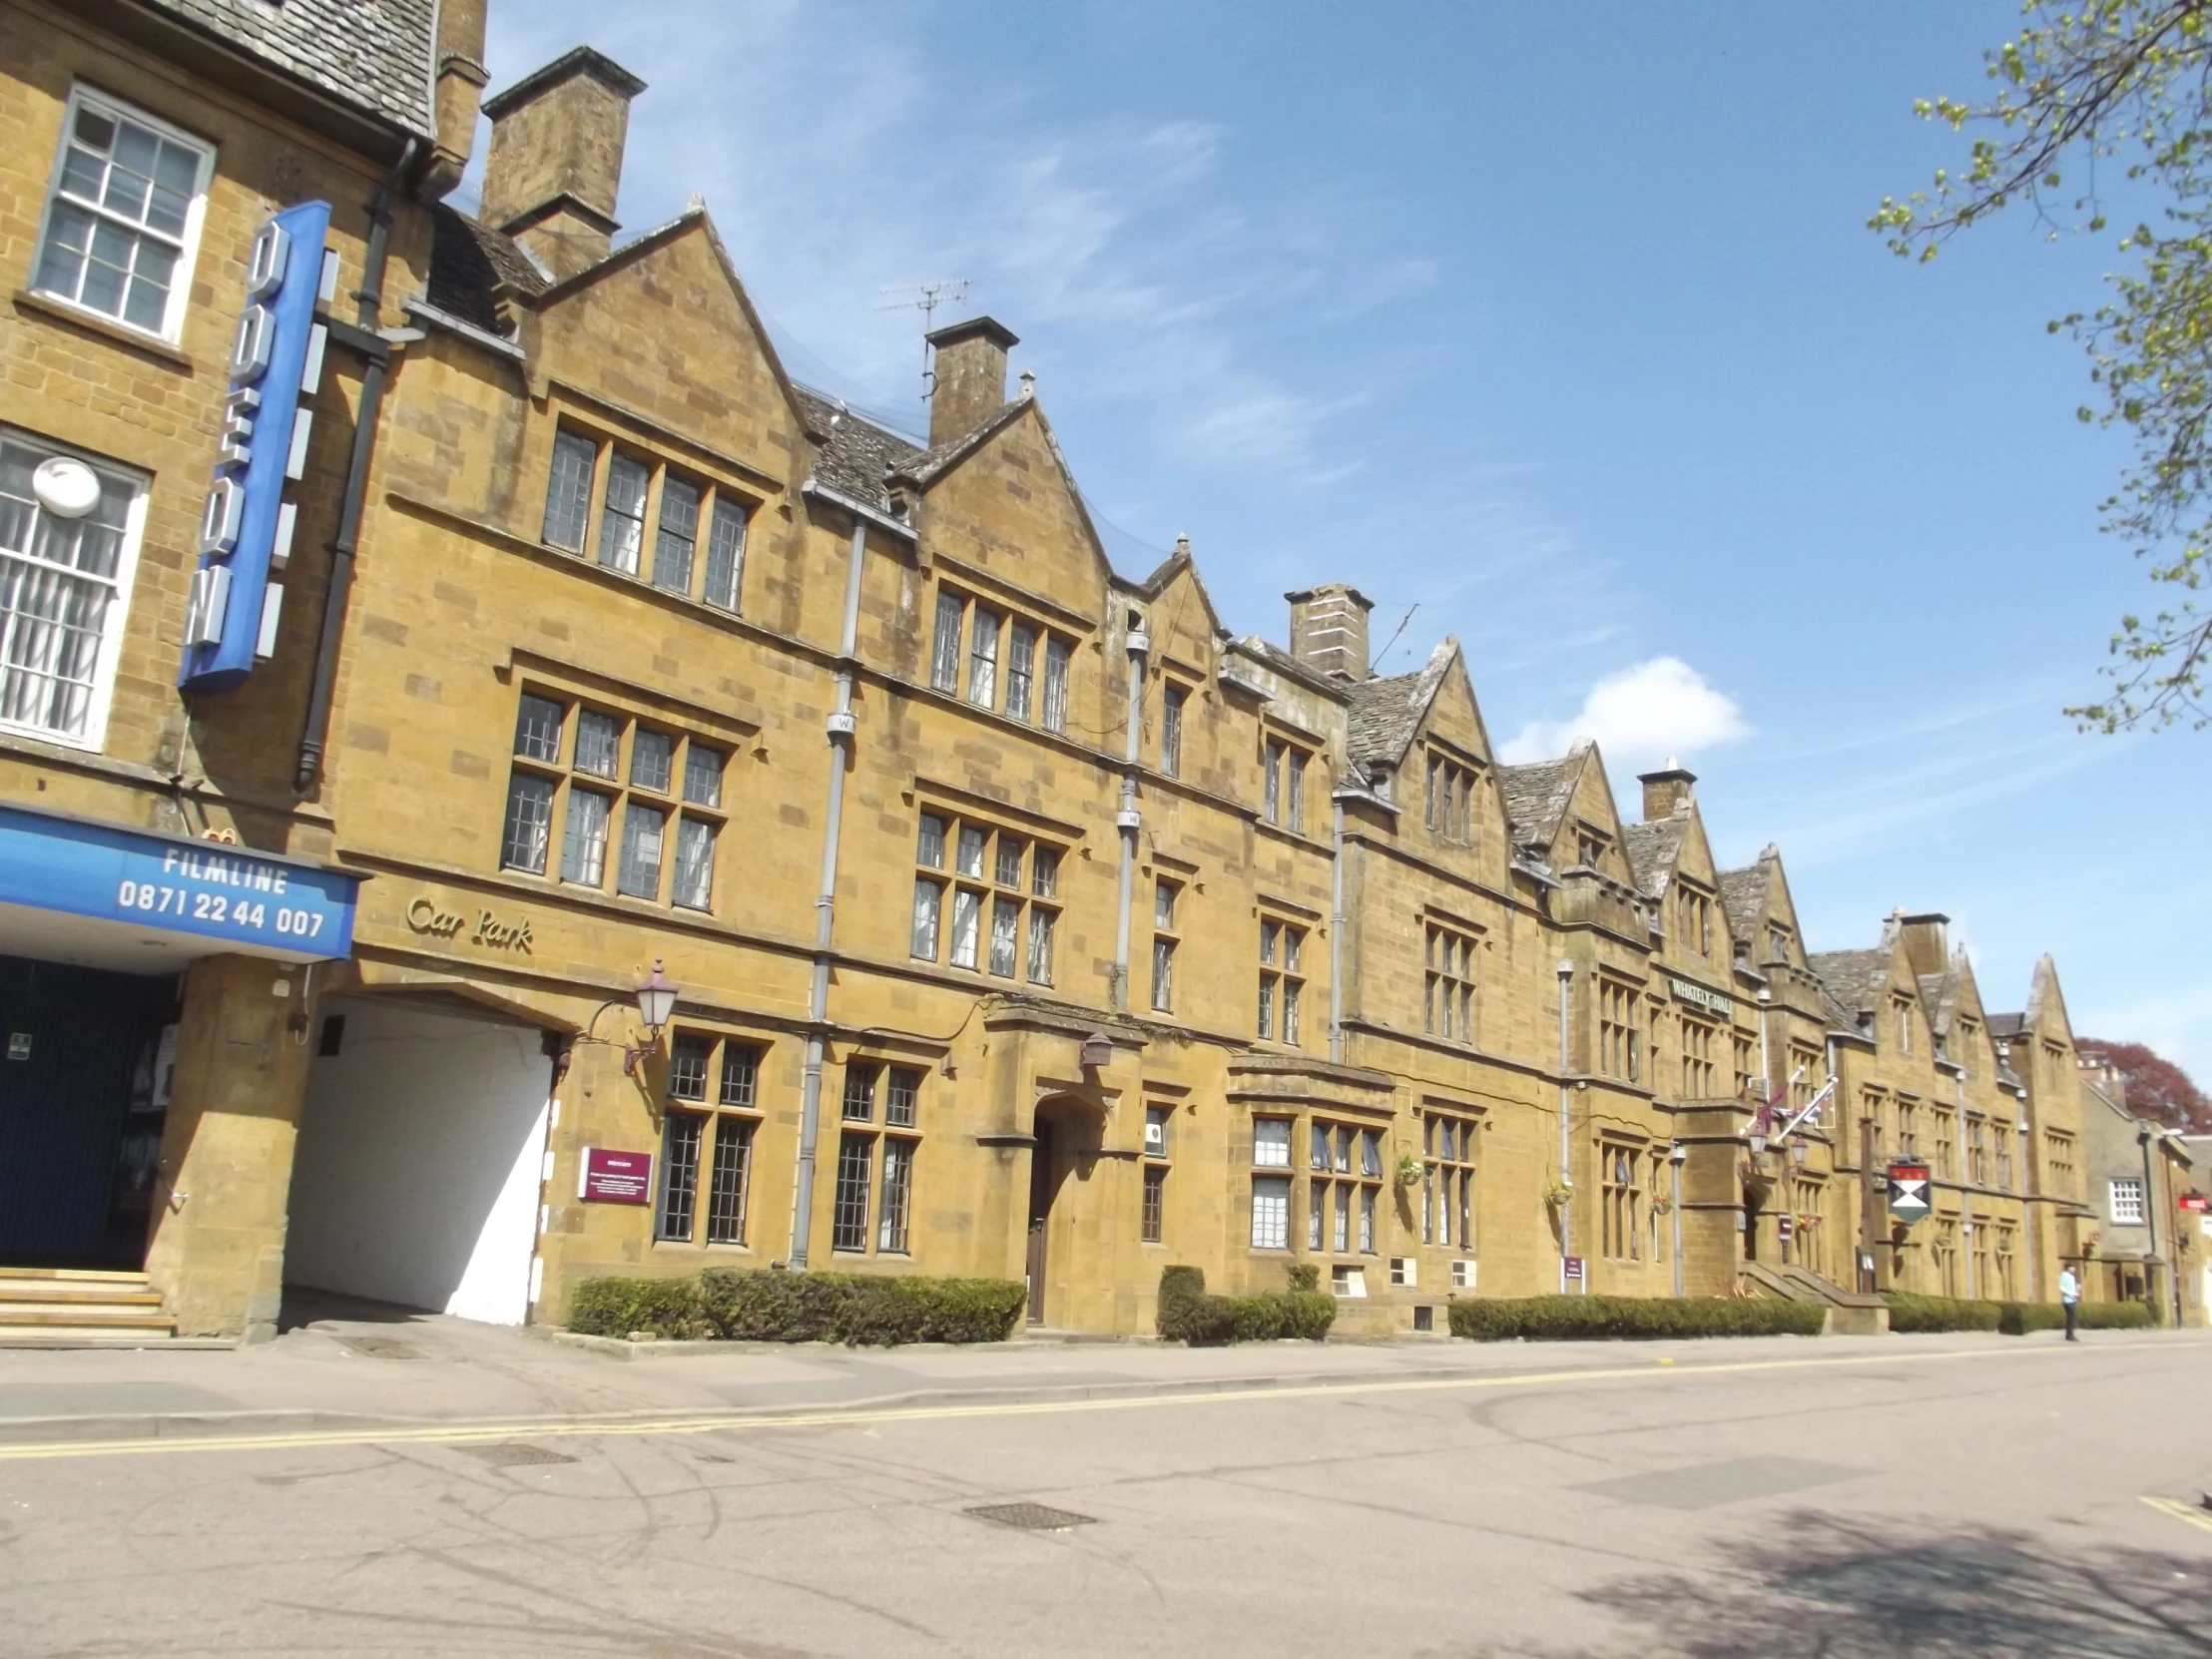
983,686
901,1092
57,597
642,831
928,907
1044,873
898,1192
930,845
695,862
1271,1212
967,917
859,1091
622,525
944,652
677,537
1171,731
538,730
1042,924
1055,684
529,823
687,1067
702,775
652,760
1021,669
849,1225
680,1138
1271,1142
1163,976
1006,867
726,554
1005,935
568,490
741,1074
727,1188
597,743
584,844
970,860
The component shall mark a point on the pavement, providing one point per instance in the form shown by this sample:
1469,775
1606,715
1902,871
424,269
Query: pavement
425,1486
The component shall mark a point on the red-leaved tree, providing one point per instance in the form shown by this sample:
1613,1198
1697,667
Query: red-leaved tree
2156,1088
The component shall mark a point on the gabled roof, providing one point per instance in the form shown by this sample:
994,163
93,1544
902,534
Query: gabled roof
1653,848
1536,797
1940,995
1743,897
2007,1025
470,264
1168,569
856,454
1386,712
380,56
932,464
1853,979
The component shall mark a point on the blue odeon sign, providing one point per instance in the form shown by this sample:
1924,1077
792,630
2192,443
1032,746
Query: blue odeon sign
246,531
233,897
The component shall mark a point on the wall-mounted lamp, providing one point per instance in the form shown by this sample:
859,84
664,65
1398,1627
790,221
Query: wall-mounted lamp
656,1000
1098,1051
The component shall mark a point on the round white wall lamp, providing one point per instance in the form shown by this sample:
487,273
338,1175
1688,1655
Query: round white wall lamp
65,487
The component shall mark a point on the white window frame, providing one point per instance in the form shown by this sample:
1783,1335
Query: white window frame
2133,1212
172,319
94,737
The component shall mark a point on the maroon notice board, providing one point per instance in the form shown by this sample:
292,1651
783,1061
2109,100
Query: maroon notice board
616,1177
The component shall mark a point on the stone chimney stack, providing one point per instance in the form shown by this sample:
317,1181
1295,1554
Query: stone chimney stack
458,85
1927,942
1329,629
556,159
971,378
1668,791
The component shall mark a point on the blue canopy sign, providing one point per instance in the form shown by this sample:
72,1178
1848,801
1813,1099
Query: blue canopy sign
232,897
246,530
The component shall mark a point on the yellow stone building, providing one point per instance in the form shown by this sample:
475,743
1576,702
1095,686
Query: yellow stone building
994,911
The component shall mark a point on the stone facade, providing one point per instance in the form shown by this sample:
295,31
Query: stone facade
1024,920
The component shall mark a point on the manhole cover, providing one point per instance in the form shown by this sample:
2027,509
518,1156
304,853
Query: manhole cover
1035,1517
381,1348
508,1454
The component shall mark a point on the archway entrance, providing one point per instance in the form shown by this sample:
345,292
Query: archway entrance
1065,1143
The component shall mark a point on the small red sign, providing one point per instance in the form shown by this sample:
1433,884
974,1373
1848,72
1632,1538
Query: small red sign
616,1177
2197,1202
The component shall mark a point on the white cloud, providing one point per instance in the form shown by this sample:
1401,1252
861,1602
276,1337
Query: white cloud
1638,717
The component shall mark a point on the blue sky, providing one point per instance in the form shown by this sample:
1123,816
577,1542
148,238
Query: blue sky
1560,323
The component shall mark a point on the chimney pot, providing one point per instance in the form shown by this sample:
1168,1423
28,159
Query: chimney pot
1329,629
555,165
970,379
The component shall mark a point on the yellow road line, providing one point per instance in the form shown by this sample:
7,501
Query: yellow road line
2181,1511
474,1433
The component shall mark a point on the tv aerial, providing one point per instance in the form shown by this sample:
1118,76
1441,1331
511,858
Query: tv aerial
926,298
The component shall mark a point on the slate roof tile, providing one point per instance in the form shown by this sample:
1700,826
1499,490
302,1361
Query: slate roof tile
1653,847
1743,897
378,55
1536,795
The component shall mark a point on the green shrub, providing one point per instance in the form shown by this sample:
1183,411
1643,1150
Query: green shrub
2019,1317
616,1306
770,1306
1910,1314
2120,1316
1576,1318
1188,1314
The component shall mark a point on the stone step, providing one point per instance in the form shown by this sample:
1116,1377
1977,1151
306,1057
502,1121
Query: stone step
93,1335
83,1317
24,1292
72,1276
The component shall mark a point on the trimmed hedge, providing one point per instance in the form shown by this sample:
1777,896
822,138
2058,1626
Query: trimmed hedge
764,1305
2019,1317
1922,1313
667,1308
1188,1314
1579,1318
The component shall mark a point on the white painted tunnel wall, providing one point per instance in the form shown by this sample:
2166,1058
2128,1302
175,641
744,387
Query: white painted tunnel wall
417,1171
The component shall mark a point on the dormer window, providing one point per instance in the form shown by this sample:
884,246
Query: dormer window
1589,848
1901,1012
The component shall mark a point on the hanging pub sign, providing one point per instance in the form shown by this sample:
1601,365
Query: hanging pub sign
2196,1203
1908,1192
231,612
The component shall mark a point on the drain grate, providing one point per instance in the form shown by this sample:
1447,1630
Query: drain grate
1034,1517
510,1454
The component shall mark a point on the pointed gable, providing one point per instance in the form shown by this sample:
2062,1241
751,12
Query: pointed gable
1536,797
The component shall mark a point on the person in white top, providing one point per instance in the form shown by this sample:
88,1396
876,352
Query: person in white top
2069,1292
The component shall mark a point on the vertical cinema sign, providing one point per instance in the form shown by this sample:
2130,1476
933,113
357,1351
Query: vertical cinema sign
245,530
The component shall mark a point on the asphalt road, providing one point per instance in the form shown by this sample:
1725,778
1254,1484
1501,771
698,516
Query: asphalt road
1992,1499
